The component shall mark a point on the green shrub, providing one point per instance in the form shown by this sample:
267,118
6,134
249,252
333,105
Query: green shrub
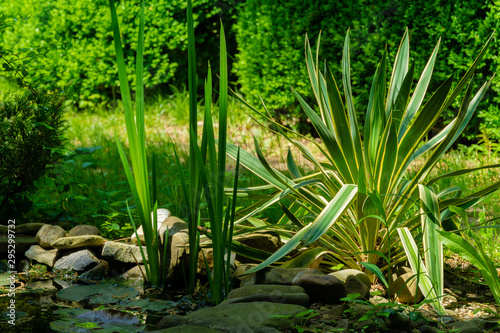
88,63
270,37
29,128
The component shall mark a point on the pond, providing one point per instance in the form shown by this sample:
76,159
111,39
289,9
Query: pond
78,306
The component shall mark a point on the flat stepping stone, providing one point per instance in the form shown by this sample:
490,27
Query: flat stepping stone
269,293
240,317
274,275
75,242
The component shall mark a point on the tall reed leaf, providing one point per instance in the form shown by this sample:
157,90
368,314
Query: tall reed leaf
138,179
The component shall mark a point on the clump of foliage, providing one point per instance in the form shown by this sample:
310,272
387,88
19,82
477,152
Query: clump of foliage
89,63
30,125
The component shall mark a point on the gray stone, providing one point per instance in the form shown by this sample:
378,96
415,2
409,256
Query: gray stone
135,272
356,286
123,252
345,273
398,321
406,289
272,275
23,243
64,283
470,326
30,229
174,225
76,242
378,300
240,317
162,215
39,254
83,230
326,289
307,271
449,300
98,272
48,234
269,293
177,257
42,285
77,261
268,241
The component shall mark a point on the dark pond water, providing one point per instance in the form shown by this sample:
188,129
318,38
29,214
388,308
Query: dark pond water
35,311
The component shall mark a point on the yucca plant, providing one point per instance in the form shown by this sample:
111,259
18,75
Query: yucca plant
376,162
138,178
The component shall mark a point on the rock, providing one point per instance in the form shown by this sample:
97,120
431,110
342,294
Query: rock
64,283
268,241
272,275
135,272
162,215
39,254
49,234
177,257
355,286
30,229
42,285
332,312
405,287
345,273
205,257
269,293
77,261
307,271
123,252
23,243
75,242
326,289
470,326
240,317
398,321
83,230
98,272
449,301
174,225
375,300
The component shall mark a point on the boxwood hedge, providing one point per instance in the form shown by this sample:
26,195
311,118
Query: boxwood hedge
87,65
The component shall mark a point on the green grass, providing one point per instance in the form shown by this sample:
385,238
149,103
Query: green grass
89,186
